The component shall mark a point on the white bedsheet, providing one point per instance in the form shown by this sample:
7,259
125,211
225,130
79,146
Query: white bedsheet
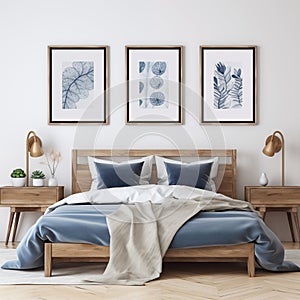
143,193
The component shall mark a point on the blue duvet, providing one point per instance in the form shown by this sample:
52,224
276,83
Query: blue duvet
85,223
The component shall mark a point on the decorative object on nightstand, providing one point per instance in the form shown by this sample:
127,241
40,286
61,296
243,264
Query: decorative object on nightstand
18,177
263,179
53,159
274,145
25,199
52,181
37,177
34,148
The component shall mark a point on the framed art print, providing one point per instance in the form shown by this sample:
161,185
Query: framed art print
228,84
154,78
78,82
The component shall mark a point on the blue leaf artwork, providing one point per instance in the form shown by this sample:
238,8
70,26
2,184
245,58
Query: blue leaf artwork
159,68
156,82
228,86
153,85
157,99
141,87
77,81
141,66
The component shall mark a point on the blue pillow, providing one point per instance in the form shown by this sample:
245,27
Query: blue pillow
195,175
118,175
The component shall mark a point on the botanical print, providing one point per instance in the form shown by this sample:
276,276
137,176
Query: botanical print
77,81
153,85
228,87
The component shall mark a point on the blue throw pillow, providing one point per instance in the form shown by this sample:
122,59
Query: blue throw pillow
195,175
118,175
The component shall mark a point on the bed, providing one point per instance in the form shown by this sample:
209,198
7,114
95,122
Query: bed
262,244
226,182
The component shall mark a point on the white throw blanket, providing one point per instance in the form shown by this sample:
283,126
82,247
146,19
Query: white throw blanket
141,233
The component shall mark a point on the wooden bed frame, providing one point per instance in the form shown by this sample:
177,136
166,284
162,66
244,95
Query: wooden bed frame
225,182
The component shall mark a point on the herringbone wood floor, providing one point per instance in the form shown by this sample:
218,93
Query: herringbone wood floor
178,281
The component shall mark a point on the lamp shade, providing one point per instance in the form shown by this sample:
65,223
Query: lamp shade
273,145
35,146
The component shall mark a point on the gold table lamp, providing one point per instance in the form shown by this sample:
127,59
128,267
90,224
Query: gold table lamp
273,145
34,148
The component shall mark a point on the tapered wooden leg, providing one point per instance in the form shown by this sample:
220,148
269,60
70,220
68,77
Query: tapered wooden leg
16,226
289,215
10,222
47,259
296,220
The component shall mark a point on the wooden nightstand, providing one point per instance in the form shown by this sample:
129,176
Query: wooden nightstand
23,199
278,198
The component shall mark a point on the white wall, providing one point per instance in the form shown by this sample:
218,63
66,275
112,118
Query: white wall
28,27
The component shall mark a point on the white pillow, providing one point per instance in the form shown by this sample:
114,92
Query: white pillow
162,175
145,173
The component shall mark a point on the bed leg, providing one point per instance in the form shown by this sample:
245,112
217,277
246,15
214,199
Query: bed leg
251,262
47,259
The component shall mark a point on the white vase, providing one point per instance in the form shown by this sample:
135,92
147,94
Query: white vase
37,181
52,181
263,179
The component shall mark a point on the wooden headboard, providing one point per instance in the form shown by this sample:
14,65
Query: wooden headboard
225,181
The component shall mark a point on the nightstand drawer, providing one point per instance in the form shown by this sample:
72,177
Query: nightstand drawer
30,195
273,196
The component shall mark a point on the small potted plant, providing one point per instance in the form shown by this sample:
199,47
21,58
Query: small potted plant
18,177
37,177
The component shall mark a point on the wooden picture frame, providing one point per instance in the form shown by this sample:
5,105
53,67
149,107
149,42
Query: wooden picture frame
78,83
228,86
154,78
